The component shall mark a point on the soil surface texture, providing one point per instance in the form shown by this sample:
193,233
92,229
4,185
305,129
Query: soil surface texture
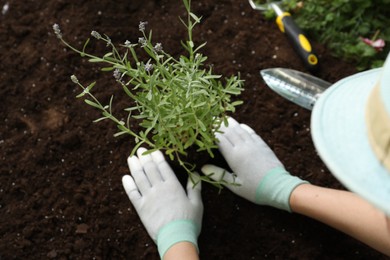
61,195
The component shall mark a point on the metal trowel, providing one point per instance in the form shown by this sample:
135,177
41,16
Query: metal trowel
298,87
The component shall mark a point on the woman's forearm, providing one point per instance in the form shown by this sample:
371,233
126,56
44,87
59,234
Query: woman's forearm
344,211
182,250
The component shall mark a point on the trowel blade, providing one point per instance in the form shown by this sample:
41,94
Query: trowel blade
298,87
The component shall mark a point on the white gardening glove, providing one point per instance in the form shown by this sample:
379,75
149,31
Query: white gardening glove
169,214
260,176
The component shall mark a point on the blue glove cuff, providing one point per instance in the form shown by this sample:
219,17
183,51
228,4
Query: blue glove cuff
175,232
276,187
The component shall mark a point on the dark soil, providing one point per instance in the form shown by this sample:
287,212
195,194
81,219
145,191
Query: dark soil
61,195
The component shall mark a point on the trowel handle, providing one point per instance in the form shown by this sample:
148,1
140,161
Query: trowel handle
298,39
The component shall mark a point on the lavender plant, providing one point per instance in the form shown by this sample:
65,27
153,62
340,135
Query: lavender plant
178,103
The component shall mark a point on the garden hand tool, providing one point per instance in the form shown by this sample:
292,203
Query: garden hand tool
298,87
169,214
296,36
258,175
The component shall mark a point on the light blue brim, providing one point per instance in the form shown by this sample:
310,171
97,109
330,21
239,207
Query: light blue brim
340,136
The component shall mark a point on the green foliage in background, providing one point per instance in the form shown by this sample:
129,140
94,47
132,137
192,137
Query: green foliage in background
178,103
341,24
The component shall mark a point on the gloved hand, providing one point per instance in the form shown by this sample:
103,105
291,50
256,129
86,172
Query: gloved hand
260,176
169,214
